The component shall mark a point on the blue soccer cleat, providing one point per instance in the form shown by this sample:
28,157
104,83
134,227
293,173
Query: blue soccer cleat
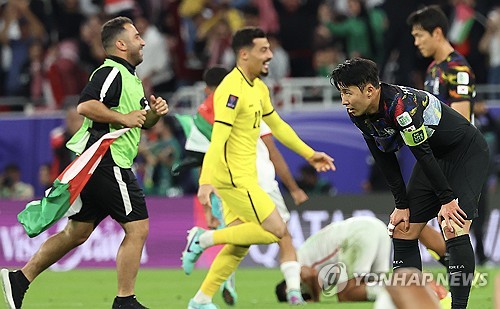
294,297
193,250
194,305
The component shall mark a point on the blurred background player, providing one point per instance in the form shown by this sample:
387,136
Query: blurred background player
269,162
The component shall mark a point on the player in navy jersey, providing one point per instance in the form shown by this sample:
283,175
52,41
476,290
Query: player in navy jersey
449,77
451,168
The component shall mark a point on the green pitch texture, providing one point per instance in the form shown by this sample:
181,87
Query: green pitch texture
160,288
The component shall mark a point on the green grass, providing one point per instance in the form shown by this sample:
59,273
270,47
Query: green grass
172,289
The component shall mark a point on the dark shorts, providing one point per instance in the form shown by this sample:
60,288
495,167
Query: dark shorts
112,191
465,168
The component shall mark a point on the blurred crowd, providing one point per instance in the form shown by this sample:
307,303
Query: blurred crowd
51,47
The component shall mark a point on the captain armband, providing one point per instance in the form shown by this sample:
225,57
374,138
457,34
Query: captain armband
414,137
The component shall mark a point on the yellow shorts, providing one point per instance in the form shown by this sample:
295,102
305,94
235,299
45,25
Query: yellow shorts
250,204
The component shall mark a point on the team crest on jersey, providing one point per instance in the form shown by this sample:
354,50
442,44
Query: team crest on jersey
463,78
404,119
231,101
418,137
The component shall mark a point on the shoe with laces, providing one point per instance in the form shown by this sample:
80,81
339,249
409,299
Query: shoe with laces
13,288
128,303
294,297
194,305
193,250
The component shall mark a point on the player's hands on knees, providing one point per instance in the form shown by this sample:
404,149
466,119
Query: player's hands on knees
158,105
321,162
204,192
452,211
398,216
135,119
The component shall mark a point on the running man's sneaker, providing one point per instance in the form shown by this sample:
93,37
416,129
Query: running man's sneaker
129,303
13,288
294,297
229,293
193,250
194,305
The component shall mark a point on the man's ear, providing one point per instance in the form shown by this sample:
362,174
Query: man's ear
120,45
437,32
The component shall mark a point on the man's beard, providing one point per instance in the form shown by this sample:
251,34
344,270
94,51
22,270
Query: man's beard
264,74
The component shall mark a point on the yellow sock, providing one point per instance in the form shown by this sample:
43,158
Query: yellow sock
224,265
244,234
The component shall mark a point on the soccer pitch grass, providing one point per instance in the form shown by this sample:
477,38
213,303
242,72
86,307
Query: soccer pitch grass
162,288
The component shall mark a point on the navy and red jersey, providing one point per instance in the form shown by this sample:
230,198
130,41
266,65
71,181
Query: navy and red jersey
415,118
451,80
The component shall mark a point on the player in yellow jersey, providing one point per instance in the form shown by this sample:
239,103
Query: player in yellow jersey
241,102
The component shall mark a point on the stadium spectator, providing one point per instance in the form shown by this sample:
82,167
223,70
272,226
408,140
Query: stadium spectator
490,45
250,213
11,185
312,184
90,49
156,69
113,98
452,161
363,30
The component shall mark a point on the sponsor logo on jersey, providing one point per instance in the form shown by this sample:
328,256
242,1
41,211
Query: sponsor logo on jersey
463,78
418,137
404,119
231,101
462,89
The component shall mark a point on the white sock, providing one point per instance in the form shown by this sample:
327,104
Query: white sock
291,272
202,298
372,291
207,239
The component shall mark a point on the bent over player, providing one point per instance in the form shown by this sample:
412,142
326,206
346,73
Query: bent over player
452,159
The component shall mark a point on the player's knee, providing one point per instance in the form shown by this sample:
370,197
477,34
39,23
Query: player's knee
401,233
457,230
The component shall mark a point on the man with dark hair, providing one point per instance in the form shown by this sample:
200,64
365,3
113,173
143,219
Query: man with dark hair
241,102
113,99
451,168
449,77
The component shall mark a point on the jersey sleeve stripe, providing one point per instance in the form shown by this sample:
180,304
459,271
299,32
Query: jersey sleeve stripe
268,113
227,124
107,83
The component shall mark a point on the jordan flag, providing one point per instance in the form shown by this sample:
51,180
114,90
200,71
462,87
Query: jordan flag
63,198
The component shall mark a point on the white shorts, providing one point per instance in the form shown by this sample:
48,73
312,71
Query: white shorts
375,251
275,194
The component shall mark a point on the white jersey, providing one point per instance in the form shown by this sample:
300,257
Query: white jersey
265,167
361,243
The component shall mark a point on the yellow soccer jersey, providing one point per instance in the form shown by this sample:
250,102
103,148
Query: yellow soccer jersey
239,104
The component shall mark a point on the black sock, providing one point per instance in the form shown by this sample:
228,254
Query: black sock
21,279
406,254
460,269
445,260
124,299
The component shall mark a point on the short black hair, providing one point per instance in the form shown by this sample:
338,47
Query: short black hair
355,72
214,76
429,18
281,292
245,36
111,29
